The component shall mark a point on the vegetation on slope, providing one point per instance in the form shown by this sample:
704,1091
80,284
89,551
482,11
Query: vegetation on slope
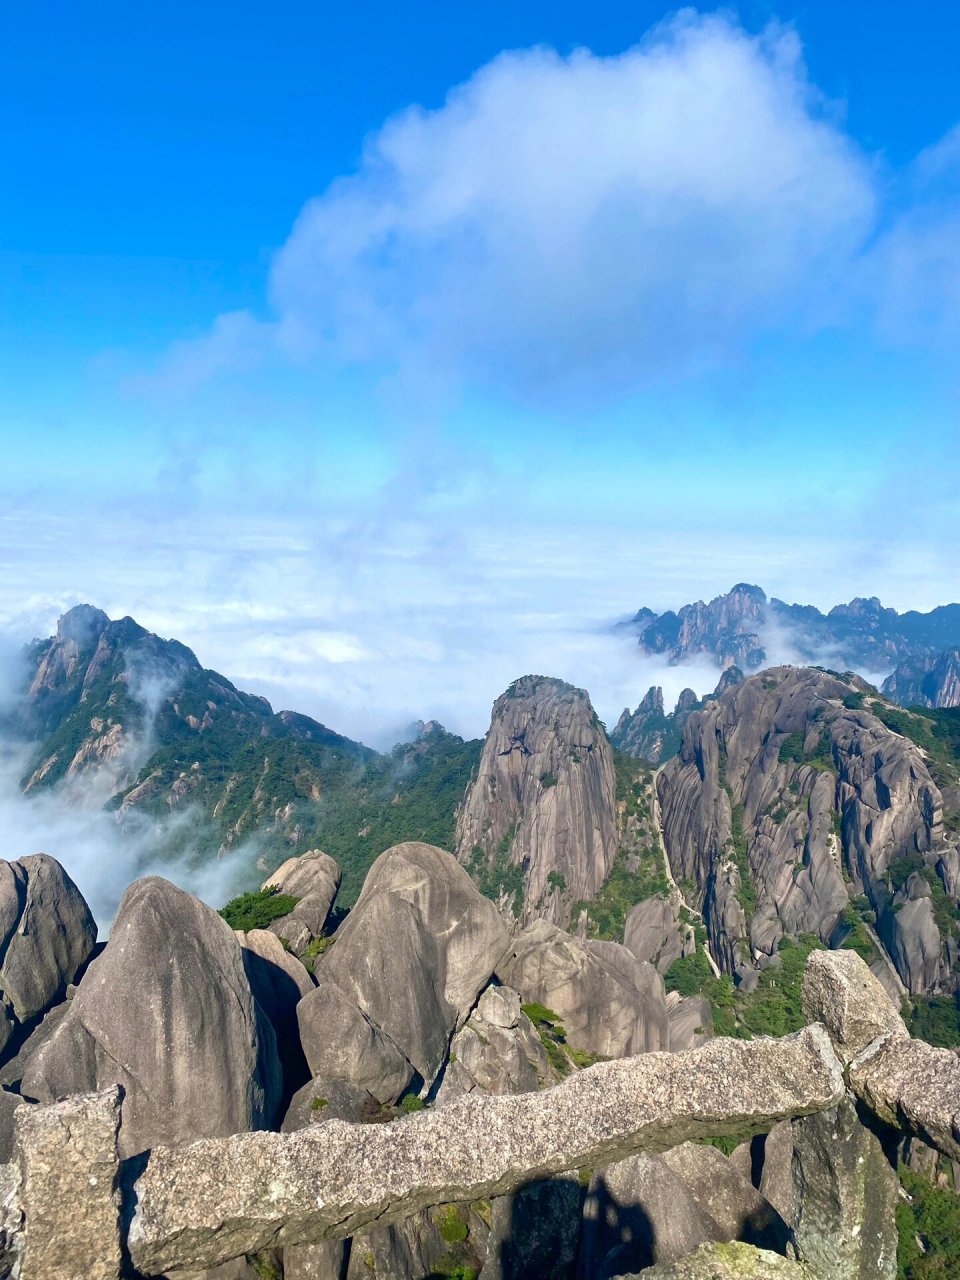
774,1009
928,1231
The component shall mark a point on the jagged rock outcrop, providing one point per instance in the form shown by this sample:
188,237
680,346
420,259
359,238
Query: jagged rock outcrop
167,1012
538,825
727,628
404,972
788,788
930,681
649,733
313,878
610,1003
47,935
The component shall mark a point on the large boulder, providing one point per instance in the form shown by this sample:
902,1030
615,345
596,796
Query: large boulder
167,1012
313,878
342,1043
610,1003
47,935
412,957
690,1021
842,993
729,1262
497,1051
653,931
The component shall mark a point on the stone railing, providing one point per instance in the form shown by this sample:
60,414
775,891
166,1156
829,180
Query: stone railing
72,1208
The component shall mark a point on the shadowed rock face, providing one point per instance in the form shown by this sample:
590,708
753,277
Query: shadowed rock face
405,970
543,801
650,1209
47,935
781,791
167,1012
610,1002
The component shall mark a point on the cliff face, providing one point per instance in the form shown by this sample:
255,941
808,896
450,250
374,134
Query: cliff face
538,825
933,681
792,808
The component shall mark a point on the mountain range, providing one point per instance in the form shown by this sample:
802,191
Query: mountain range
501,916
920,650
759,824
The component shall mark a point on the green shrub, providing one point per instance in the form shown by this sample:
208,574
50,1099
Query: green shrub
258,910
411,1103
557,881
318,1104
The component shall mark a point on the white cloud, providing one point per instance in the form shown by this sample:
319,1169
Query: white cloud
571,224
914,269
566,222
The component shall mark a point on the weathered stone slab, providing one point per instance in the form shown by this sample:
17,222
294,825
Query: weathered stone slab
69,1194
911,1085
216,1199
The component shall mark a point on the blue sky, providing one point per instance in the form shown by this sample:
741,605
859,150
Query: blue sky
464,323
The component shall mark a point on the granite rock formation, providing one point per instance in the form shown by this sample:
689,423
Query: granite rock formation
538,825
737,628
610,1003
793,809
167,1013
47,935
405,969
314,879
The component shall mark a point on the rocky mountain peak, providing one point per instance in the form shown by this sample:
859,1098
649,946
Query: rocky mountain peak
538,825
82,625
